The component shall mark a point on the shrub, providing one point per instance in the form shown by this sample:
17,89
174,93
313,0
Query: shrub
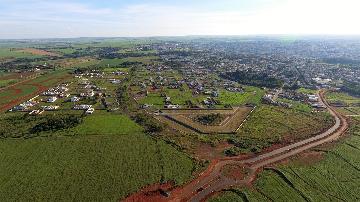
54,123
149,124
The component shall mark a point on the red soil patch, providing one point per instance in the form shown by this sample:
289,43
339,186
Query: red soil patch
17,91
209,152
17,75
151,193
235,172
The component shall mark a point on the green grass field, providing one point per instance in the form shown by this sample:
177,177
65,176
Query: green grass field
252,95
335,178
153,99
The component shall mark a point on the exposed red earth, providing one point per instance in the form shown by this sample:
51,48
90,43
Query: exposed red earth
16,90
216,177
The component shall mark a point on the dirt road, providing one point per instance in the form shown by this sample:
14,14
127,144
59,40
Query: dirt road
214,178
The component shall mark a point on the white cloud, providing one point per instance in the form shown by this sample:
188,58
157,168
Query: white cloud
66,19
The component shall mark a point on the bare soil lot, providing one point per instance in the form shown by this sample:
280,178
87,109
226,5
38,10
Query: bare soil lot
35,51
182,119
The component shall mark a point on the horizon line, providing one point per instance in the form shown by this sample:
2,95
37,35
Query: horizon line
184,36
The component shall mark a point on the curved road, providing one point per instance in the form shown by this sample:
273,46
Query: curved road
213,180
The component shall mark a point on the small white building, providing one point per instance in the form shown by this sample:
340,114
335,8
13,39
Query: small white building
75,99
90,111
313,98
52,99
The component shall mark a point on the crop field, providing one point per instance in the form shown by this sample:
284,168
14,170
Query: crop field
14,53
334,178
233,119
86,168
28,89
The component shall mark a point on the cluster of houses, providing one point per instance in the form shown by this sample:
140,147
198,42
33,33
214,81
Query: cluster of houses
314,101
25,105
210,102
88,90
58,91
270,99
93,74
311,99
87,108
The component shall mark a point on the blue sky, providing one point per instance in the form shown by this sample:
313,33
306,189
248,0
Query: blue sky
111,18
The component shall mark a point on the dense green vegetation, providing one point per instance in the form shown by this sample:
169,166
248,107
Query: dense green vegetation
253,79
209,119
109,124
352,88
55,123
148,122
335,178
86,168
24,125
